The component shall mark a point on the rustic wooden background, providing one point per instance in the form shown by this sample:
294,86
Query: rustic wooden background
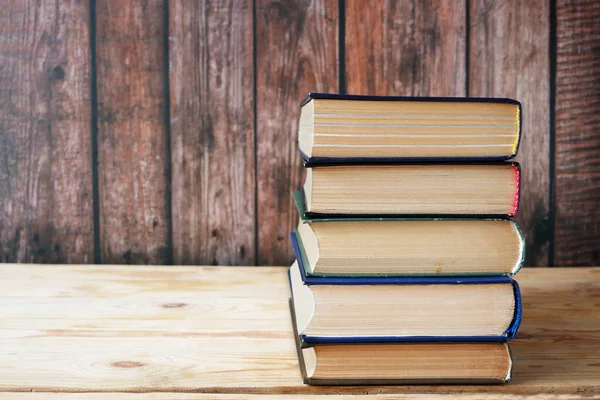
165,131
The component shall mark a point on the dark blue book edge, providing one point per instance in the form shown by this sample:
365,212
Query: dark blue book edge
313,381
508,334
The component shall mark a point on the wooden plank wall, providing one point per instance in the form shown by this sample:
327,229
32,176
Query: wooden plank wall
46,186
133,156
509,57
296,52
164,132
212,132
577,133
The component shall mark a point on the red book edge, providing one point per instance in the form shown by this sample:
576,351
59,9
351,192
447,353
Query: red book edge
517,190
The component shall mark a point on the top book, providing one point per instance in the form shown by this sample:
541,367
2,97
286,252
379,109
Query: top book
340,129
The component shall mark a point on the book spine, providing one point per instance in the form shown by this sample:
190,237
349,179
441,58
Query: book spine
522,249
519,122
516,321
515,204
310,162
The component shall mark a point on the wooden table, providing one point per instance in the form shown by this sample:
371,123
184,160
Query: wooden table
216,332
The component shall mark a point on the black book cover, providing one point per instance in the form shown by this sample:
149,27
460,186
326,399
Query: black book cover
317,161
319,215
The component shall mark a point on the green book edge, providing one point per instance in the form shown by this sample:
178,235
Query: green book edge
299,201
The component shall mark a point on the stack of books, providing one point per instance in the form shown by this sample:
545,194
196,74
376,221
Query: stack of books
406,244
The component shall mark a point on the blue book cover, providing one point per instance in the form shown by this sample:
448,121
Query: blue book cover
508,334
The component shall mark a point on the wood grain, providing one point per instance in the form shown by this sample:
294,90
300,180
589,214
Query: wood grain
212,132
296,53
578,133
202,396
45,141
405,48
227,330
509,58
133,157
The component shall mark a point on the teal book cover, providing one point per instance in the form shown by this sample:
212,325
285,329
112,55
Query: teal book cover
427,265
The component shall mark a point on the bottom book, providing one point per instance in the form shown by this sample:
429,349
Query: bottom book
402,363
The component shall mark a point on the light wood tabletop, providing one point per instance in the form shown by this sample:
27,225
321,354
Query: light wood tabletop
128,332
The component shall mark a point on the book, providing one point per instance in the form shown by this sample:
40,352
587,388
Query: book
390,309
413,189
409,247
406,246
402,363
353,129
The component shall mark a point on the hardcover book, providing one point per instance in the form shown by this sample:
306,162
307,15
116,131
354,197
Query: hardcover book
341,129
413,189
402,363
407,246
407,309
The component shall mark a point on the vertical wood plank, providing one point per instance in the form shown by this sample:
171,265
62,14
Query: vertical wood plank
405,48
296,53
45,137
578,133
212,131
132,132
509,58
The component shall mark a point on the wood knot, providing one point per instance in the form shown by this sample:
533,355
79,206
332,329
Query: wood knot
57,73
174,305
127,364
